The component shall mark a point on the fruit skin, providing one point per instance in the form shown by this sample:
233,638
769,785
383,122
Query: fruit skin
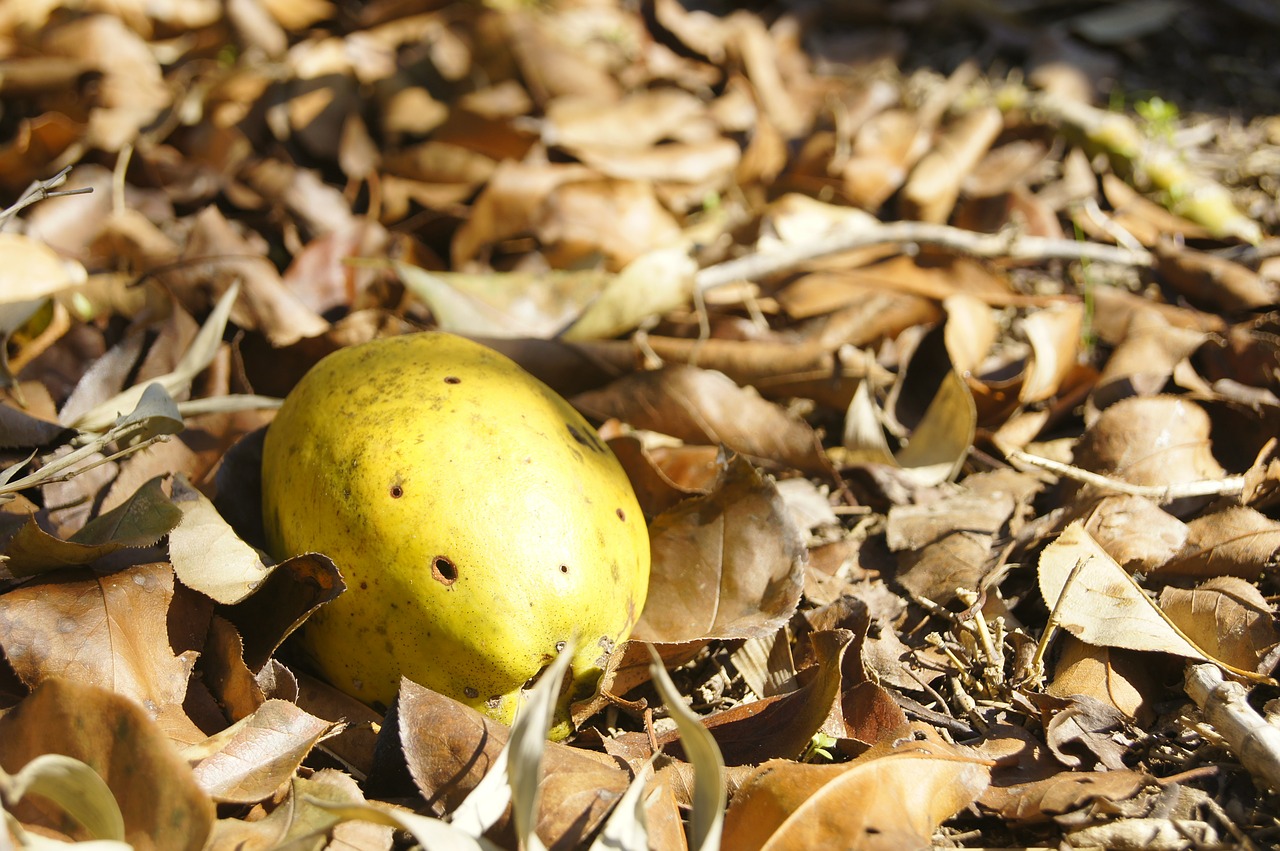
478,521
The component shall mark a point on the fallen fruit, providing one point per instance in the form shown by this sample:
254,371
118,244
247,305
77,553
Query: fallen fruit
478,521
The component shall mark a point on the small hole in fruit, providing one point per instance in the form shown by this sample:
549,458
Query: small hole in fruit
396,491
564,568
452,379
561,645
443,571
471,693
622,515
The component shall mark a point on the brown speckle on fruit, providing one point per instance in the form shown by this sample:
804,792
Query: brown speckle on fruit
396,491
444,571
564,568
471,692
622,515
452,379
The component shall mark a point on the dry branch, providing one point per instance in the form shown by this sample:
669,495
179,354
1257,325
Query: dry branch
1227,486
1007,246
1225,704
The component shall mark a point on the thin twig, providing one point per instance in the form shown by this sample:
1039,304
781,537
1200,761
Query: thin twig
1036,666
38,191
1228,486
1009,245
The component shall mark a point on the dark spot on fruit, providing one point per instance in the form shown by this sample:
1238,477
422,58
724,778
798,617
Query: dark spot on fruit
561,645
588,440
564,568
471,692
452,379
364,586
444,571
622,515
396,491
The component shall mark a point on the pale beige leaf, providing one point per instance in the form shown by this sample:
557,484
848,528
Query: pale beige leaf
970,331
652,284
1104,605
1054,335
258,755
207,554
941,441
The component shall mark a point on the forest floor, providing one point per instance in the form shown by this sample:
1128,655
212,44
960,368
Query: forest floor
938,340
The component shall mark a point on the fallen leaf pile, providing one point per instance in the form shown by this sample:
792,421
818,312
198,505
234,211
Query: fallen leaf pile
938,340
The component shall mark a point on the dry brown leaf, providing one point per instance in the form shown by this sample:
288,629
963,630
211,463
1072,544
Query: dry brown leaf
656,489
1136,215
448,747
252,759
319,276
1054,335
552,61
216,248
1236,541
223,671
637,120
934,185
1213,282
163,807
295,589
1065,792
940,441
106,631
1136,532
29,269
1118,678
949,543
301,816
970,331
890,798
1145,358
706,407
1004,168
627,668
503,304
132,92
139,522
834,698
1082,731
884,150
617,220
508,206
652,284
726,565
1229,618
353,744
1155,440
710,163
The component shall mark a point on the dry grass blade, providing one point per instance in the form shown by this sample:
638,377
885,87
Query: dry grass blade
707,820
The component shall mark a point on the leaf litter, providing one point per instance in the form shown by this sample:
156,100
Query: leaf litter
938,340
